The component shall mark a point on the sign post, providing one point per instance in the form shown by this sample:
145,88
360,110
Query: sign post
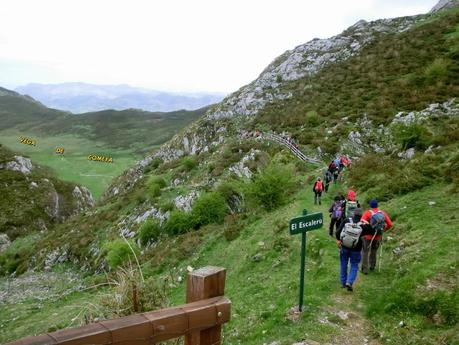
301,225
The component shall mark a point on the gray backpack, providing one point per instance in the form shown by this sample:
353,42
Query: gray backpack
350,234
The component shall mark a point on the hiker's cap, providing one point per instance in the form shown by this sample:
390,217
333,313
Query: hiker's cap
373,203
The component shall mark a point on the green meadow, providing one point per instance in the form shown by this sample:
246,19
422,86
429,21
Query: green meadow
73,165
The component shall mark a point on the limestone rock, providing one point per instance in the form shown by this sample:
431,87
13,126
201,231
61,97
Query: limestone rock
4,242
408,154
184,203
21,164
444,5
83,198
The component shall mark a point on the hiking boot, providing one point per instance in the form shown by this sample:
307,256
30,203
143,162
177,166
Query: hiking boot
364,272
349,287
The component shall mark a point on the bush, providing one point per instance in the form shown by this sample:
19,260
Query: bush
413,136
209,208
119,252
179,222
437,70
159,180
271,187
189,163
16,257
149,232
154,185
383,177
312,118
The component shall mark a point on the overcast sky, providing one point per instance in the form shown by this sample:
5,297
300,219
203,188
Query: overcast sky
181,45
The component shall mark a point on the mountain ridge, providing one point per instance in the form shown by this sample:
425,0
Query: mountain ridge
78,97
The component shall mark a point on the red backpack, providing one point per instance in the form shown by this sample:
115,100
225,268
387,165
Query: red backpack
319,186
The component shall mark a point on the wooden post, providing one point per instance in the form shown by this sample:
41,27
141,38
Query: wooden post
204,283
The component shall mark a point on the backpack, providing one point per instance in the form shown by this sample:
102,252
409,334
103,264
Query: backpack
378,222
350,234
319,186
337,210
351,206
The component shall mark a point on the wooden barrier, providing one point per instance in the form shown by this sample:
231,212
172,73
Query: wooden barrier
199,320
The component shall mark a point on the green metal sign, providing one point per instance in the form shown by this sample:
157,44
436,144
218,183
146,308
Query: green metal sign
301,225
306,223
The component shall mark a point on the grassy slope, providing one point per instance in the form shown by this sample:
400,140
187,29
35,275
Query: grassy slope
124,135
74,165
262,290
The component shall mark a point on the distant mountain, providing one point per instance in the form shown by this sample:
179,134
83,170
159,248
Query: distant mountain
83,97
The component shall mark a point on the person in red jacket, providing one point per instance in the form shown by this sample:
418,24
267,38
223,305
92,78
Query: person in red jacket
371,242
317,189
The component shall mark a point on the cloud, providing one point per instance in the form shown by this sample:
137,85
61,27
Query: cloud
175,44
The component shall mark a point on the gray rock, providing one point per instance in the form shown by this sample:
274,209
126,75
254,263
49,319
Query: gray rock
21,164
408,154
444,4
185,202
4,242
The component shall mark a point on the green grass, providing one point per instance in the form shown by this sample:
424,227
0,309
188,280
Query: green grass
73,165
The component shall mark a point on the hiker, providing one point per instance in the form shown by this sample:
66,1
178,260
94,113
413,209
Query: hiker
335,174
336,213
380,223
327,178
349,236
350,204
317,189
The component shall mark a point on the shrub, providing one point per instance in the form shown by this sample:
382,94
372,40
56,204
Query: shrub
189,163
233,197
167,205
312,118
159,180
437,70
413,136
154,185
384,177
16,257
149,232
271,187
179,222
119,252
209,208
154,190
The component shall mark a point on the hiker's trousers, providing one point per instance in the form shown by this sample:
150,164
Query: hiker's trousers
369,251
334,224
346,256
317,196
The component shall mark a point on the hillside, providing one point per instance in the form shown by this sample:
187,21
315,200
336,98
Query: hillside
83,97
32,201
219,193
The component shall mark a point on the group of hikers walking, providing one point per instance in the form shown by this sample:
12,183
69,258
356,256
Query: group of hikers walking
334,169
359,233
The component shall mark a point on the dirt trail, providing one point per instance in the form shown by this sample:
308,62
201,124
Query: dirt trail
354,328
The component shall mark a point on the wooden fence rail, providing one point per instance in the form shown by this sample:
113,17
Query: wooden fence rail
199,320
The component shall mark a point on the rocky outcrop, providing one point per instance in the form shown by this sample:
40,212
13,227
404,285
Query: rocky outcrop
83,198
184,202
21,164
444,5
305,60
240,169
448,108
4,242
